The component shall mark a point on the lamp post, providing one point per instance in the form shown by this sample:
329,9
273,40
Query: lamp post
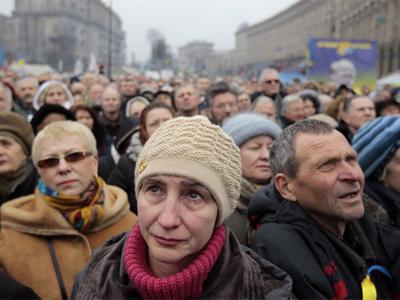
110,41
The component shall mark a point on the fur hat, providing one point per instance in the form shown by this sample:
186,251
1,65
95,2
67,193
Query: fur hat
245,126
195,149
18,128
376,143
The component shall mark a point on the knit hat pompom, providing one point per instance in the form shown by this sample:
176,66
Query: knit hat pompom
376,143
195,149
18,128
245,126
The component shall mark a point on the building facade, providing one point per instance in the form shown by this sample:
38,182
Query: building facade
59,32
195,56
282,39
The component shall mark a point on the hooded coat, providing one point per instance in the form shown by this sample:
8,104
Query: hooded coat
28,223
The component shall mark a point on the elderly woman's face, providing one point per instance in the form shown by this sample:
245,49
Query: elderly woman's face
177,218
55,95
136,109
11,156
392,178
69,178
155,118
255,159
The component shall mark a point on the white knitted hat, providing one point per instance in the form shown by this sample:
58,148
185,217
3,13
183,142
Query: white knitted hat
195,149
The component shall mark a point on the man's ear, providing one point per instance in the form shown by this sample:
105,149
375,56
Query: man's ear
285,187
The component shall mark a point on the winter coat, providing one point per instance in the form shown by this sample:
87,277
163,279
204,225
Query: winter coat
123,176
344,129
238,221
24,185
388,199
112,126
28,223
105,276
322,265
11,289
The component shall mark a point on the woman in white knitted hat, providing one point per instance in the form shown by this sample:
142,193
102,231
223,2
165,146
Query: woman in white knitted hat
187,181
53,92
253,134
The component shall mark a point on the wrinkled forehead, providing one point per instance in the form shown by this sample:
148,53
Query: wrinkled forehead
27,82
359,102
184,89
271,75
311,146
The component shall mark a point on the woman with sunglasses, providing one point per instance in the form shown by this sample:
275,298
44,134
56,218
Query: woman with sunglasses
48,237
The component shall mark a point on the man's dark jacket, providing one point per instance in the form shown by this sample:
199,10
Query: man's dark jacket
322,265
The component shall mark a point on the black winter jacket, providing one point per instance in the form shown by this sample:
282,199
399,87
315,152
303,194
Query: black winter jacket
320,264
387,198
11,289
123,176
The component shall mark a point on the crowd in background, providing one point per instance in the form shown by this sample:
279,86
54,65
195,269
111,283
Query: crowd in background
118,116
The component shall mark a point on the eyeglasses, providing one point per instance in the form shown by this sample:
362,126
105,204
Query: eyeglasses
272,81
70,158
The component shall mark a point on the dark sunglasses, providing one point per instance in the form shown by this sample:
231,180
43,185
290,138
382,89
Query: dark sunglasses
272,81
70,158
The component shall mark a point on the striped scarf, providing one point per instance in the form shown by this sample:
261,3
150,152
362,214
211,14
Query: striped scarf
81,211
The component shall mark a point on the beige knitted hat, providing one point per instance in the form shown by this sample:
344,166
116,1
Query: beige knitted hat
195,149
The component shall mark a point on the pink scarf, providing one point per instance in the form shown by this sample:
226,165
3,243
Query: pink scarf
185,284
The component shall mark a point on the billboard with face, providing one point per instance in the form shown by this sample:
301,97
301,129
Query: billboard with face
344,62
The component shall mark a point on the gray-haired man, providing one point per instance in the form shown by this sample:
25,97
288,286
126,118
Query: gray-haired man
311,222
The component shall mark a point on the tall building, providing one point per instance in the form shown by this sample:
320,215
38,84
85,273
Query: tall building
8,33
283,38
194,56
59,32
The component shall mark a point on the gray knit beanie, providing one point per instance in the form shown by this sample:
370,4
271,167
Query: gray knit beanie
245,126
195,149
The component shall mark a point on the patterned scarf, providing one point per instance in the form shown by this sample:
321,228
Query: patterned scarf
247,191
81,211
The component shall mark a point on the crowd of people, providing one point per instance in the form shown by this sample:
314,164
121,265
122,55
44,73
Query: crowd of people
227,188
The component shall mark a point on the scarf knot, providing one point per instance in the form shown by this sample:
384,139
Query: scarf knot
82,211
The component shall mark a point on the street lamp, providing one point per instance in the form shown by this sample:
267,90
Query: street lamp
110,41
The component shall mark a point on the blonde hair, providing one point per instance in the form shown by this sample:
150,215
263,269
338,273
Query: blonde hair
57,130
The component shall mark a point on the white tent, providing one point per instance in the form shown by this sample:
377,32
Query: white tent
392,79
31,69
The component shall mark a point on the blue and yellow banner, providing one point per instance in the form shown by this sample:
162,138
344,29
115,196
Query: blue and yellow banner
350,62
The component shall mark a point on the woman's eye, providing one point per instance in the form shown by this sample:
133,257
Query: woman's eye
153,189
194,196
255,147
